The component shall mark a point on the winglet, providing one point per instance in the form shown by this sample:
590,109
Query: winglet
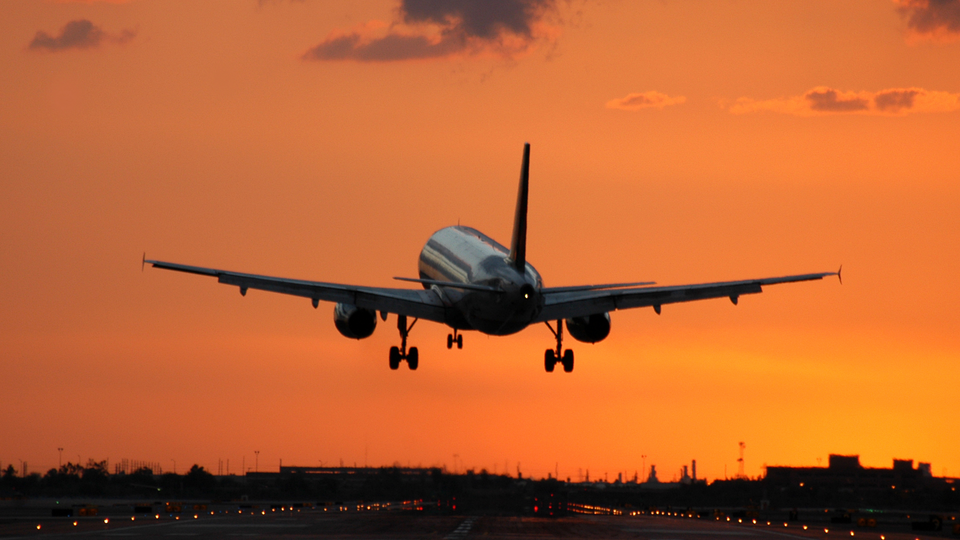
143,262
840,275
518,243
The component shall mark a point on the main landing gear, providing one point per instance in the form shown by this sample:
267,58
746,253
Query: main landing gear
397,354
454,338
551,357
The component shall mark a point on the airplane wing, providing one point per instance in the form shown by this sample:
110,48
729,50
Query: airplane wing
565,305
422,304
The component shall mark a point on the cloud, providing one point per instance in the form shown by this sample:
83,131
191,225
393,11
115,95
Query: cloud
79,34
933,19
645,100
485,19
428,29
261,3
823,101
829,100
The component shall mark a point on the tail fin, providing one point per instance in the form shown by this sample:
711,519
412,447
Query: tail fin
518,244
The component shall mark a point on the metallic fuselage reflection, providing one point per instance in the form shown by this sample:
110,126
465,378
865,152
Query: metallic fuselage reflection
465,255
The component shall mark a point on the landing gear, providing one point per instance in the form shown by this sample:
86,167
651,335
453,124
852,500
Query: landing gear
567,361
394,357
454,338
551,357
398,354
413,358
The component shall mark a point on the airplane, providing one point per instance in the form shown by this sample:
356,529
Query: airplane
471,282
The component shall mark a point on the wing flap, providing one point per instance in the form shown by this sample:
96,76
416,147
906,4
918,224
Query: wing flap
422,304
563,305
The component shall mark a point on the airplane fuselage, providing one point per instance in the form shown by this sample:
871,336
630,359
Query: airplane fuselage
465,255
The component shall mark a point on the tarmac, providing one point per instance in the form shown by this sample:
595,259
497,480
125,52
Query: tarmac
403,521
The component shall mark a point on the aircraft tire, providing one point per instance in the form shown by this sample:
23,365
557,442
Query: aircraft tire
394,357
549,360
413,358
568,361
449,341
460,341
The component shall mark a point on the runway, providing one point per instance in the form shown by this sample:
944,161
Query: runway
305,523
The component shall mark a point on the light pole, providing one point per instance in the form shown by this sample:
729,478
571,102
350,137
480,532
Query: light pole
174,465
256,465
644,456
60,462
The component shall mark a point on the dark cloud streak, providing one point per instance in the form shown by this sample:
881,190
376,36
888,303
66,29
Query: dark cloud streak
464,26
828,101
79,34
393,47
895,100
929,17
485,19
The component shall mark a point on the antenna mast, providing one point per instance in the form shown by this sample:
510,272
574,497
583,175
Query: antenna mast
740,473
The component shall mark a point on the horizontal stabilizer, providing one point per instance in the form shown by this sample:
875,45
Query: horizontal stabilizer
577,288
451,284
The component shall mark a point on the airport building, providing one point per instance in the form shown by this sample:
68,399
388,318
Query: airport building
844,473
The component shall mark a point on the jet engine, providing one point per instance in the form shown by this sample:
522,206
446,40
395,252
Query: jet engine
354,322
589,329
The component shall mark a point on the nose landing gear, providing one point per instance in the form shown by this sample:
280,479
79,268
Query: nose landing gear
454,338
551,357
398,354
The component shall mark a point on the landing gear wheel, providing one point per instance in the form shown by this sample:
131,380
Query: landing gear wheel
460,341
551,357
549,360
413,358
449,341
568,361
399,354
394,357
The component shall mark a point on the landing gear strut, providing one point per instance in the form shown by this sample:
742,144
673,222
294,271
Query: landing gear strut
454,338
551,357
398,354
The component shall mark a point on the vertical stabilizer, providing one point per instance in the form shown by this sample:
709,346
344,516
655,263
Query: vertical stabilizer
518,244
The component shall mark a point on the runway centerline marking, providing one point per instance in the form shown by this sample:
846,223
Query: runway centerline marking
461,531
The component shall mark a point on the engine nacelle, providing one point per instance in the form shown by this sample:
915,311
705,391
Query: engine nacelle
589,329
354,322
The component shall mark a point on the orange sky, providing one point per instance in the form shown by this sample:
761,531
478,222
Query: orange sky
327,140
